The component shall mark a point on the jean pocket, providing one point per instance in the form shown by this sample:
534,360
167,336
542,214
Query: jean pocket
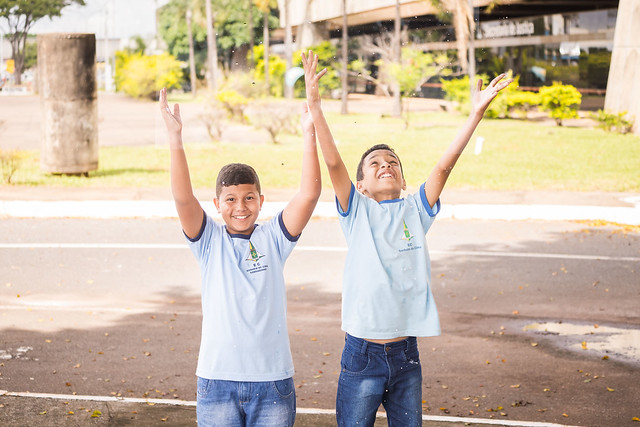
412,357
284,388
354,363
203,386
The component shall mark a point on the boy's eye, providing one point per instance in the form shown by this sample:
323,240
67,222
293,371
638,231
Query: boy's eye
249,198
230,199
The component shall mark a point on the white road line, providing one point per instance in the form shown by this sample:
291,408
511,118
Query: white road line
307,411
316,249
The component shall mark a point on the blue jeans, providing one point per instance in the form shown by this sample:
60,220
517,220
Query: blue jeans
239,404
374,374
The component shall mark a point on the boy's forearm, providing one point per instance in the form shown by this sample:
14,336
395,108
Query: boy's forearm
180,177
310,182
325,138
459,143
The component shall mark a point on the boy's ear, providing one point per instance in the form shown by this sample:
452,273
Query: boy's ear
217,203
404,184
359,186
261,200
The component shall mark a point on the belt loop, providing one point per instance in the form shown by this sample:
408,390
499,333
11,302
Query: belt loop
363,349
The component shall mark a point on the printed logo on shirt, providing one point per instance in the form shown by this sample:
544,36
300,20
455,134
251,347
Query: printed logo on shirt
254,255
407,234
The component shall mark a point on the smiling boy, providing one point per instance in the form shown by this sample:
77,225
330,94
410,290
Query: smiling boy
386,293
245,368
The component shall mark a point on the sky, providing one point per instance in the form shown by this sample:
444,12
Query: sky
124,19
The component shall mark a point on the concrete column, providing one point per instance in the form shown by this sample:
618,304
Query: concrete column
623,85
69,97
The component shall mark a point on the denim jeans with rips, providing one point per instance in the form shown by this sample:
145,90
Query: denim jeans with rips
379,374
239,404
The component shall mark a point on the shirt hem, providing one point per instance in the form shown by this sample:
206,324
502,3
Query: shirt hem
235,376
367,335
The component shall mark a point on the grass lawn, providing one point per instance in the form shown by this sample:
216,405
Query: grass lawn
516,155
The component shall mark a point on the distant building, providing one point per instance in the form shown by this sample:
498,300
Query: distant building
541,41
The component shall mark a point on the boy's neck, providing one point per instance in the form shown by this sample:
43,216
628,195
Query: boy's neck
382,195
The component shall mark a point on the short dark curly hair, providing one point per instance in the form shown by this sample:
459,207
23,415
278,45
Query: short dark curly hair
236,174
360,173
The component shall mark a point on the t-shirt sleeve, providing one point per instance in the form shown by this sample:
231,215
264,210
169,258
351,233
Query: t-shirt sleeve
284,241
201,243
427,213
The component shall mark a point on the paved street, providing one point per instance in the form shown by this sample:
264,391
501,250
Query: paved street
111,308
539,316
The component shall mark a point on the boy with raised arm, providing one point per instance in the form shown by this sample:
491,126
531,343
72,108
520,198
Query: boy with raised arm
245,368
386,296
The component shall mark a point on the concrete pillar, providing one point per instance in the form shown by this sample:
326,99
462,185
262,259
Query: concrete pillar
69,97
623,85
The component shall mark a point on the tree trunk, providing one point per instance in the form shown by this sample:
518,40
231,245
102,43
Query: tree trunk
192,62
345,58
252,61
397,58
212,47
288,47
265,36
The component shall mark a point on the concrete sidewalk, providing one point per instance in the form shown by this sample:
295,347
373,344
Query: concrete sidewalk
621,208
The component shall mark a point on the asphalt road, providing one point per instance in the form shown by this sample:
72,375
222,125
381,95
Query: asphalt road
111,308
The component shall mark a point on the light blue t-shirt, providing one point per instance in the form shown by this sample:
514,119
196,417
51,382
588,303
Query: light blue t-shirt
385,290
244,303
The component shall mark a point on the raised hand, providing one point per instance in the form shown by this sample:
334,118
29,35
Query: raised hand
482,98
172,120
311,78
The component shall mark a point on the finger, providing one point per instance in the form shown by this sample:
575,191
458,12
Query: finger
479,85
176,110
504,84
305,108
497,79
163,98
321,73
314,64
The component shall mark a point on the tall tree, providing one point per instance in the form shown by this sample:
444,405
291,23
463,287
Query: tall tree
288,45
397,59
344,109
20,15
265,7
192,61
460,14
212,47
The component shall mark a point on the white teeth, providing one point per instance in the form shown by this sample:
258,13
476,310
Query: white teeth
241,217
386,175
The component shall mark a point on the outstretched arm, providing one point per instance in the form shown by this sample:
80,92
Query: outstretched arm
479,103
299,210
189,210
337,170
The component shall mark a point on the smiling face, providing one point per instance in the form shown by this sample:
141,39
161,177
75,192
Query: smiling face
239,206
381,177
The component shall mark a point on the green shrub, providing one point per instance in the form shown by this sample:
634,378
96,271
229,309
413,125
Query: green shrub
142,76
519,102
327,58
561,101
277,68
234,103
458,92
613,122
